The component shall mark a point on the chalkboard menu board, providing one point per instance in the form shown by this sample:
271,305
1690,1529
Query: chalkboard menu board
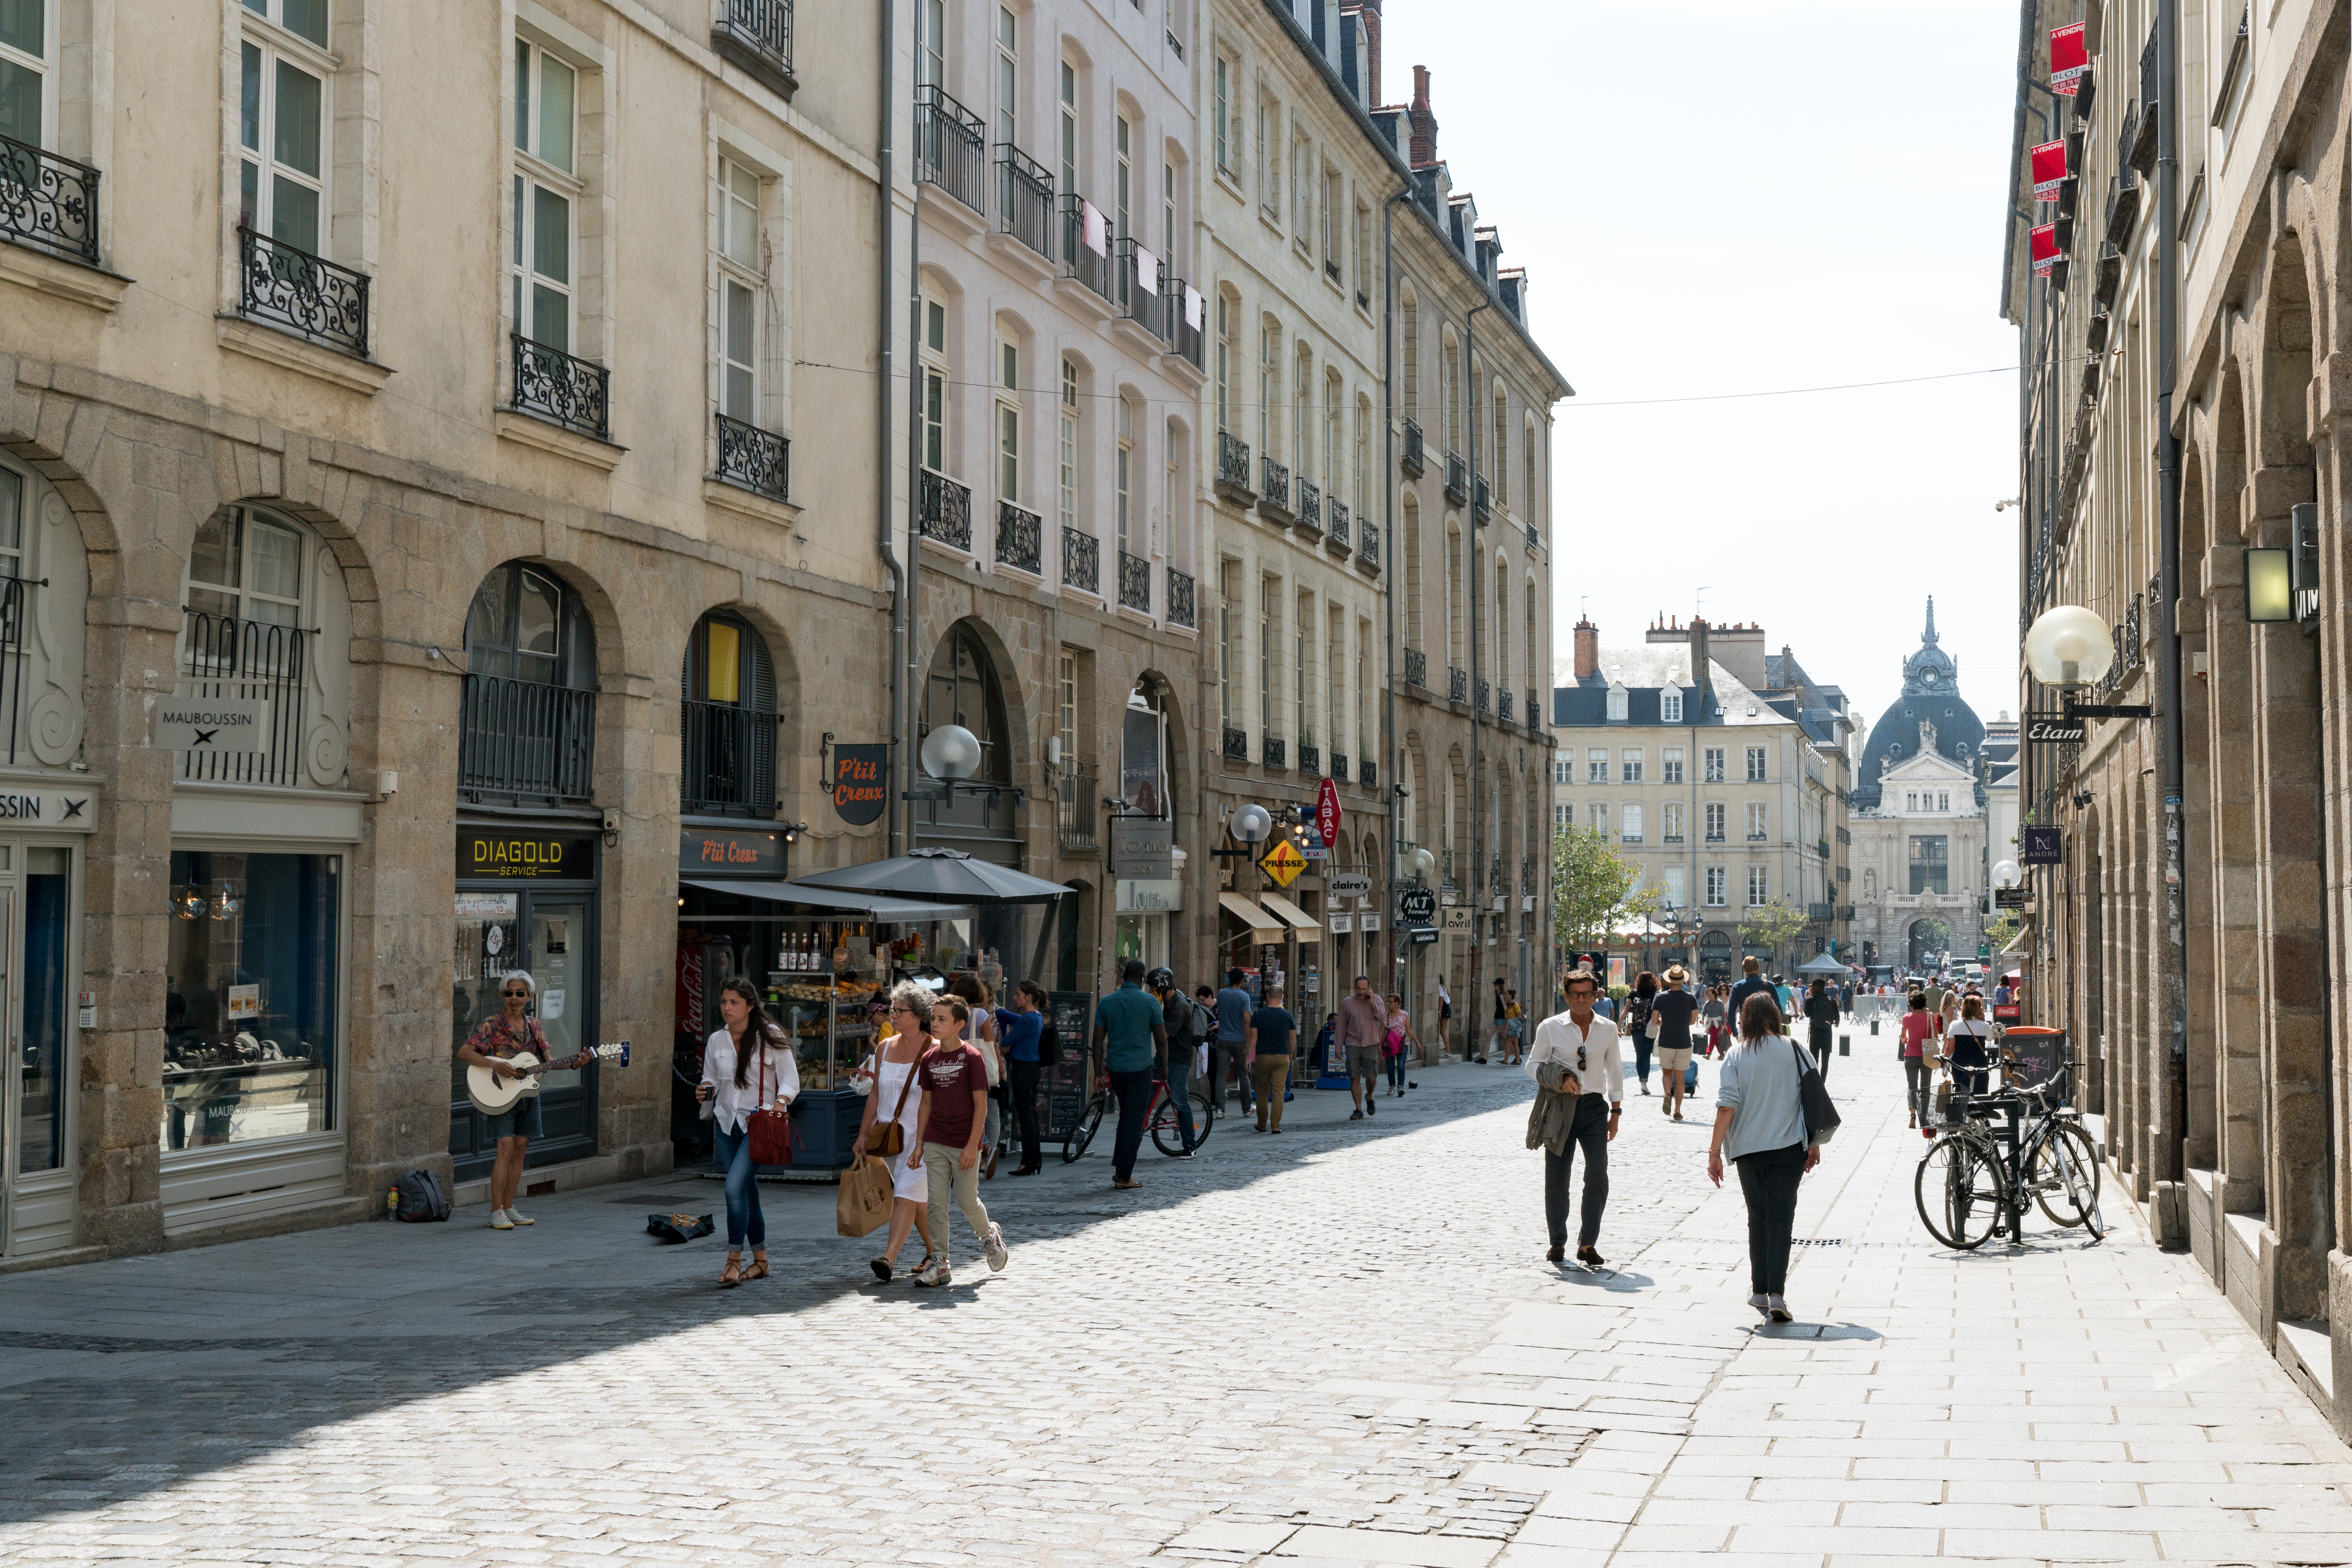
1063,1090
2039,1053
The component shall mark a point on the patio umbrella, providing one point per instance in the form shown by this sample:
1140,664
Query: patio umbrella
939,876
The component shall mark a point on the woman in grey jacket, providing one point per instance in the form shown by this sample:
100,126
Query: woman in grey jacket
1759,1126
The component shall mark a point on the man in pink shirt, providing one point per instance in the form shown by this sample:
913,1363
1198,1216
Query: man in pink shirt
1363,1024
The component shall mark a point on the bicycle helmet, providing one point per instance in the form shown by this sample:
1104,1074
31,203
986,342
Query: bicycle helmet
1160,979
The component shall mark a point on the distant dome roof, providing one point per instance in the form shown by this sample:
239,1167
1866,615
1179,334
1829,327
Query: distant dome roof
1931,695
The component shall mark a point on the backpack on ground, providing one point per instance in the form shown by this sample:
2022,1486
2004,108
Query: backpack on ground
417,1197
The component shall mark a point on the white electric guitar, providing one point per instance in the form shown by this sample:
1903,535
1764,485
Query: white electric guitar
495,1096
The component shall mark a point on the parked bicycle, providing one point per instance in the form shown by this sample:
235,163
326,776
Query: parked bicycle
1159,1119
1971,1188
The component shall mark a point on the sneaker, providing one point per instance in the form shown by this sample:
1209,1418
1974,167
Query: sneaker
1763,1305
1779,1310
934,1271
993,1245
519,1217
1372,1108
499,1220
1355,1115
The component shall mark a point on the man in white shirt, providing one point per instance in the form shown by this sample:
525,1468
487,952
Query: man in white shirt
1579,1092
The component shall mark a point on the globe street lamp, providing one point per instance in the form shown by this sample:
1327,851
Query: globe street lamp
950,754
2069,647
1251,824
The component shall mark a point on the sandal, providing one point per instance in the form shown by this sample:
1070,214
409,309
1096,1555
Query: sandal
758,1269
882,1267
734,1272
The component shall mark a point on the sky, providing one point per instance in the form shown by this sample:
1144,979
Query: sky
1717,196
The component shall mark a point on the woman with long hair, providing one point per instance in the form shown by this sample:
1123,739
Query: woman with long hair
1964,1044
1821,1015
747,1067
1714,1010
1395,1037
896,1097
1759,1126
1642,1024
1919,1030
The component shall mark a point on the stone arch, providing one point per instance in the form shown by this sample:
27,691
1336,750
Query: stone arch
2230,453
2282,429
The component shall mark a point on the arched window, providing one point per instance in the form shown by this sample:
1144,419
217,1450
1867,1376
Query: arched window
1501,458
528,723
726,726
1408,353
260,589
964,689
1454,623
1412,615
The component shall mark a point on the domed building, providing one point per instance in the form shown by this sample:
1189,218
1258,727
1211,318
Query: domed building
1919,820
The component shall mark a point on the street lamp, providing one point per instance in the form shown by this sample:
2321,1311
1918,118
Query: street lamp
1251,824
2006,875
1416,866
2069,646
951,754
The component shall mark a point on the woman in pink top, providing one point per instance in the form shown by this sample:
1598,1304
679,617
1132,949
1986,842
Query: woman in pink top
1919,1027
1399,1034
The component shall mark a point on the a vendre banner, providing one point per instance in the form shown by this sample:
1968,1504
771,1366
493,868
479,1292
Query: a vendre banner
2049,170
2069,58
2045,248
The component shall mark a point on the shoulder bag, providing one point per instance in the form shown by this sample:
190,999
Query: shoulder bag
770,1125
889,1138
863,1204
1820,1115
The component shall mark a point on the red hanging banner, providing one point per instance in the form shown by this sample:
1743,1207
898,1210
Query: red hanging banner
2069,58
2045,248
1327,814
2049,170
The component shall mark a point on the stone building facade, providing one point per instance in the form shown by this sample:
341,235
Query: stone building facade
2219,1075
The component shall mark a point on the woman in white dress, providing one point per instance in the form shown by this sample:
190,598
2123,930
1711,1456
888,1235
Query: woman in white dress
894,1097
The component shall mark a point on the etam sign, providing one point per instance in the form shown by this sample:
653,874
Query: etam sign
2055,731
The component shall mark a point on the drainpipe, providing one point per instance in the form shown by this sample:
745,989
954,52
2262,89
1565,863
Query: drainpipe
901,585
2167,533
1478,570
911,721
1390,751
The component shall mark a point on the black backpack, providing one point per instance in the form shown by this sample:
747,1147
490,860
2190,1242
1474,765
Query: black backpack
417,1197
1049,1045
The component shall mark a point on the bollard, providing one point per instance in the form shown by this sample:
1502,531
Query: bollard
1874,1025
1845,1045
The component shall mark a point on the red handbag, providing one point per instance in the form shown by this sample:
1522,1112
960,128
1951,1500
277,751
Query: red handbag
770,1126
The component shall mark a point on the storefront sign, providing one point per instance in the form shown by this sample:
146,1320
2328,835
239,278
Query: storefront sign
1417,907
1283,862
1326,812
2039,846
67,809
1424,935
207,724
861,782
1458,919
1368,923
1341,924
1150,895
729,852
2007,898
2055,731
1348,885
536,856
1143,847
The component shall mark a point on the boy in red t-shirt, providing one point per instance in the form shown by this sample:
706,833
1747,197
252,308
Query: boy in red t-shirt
948,1128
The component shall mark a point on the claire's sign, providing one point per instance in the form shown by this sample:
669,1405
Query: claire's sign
861,782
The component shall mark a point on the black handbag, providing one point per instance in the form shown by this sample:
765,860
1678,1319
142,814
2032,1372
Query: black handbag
1821,1114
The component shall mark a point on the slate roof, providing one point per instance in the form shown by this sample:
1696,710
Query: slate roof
1642,671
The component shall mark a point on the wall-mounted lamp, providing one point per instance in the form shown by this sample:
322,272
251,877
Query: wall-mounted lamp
2270,584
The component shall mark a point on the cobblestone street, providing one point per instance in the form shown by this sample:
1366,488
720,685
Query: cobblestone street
1336,1346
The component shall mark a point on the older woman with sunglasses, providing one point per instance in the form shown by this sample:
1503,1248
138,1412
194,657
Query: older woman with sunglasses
896,1096
494,1044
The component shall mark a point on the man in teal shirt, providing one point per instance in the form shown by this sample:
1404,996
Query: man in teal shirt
1131,1024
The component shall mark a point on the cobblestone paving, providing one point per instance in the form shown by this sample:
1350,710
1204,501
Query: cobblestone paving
1339,1346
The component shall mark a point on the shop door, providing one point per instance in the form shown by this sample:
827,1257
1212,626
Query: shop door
13,1079
567,1002
551,936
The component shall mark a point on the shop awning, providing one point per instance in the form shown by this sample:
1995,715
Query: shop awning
872,906
1263,928
1308,927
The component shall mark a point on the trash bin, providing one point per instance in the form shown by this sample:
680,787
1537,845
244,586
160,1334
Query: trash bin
1845,1045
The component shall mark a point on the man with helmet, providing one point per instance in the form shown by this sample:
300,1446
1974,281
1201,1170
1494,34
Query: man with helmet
1178,1013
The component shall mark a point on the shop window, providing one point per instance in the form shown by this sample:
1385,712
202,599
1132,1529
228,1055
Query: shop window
43,584
41,1087
727,729
528,726
251,983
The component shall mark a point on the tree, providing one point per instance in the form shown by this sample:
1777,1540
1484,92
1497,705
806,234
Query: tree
2004,930
1593,889
1770,925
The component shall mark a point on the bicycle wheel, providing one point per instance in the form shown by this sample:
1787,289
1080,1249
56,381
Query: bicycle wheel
1167,1133
1084,1132
2066,1176
1204,1118
1961,1192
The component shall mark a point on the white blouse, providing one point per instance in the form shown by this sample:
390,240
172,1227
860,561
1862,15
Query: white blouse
729,1105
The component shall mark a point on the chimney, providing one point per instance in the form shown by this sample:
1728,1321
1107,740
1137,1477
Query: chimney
1588,648
1702,672
1425,123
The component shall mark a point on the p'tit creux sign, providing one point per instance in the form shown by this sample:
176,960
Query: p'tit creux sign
861,782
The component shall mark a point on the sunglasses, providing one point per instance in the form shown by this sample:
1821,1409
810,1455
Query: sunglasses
518,993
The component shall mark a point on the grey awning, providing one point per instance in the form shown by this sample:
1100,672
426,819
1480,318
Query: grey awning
872,906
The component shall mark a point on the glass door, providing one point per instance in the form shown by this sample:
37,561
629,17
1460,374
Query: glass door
553,936
560,960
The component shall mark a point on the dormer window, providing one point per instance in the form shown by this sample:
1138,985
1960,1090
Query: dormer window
1619,703
1670,706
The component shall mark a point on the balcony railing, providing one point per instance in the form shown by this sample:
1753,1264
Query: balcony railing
1335,529
300,292
1820,911
1409,456
1339,766
1232,461
754,459
1416,668
1503,705
1073,810
761,32
1457,684
1143,306
1371,772
1024,199
557,387
1310,759
727,759
1367,542
525,740
1758,837
1272,751
946,513
1020,538
15,605
221,660
1534,540
48,201
1457,480
1535,708
1236,744
1181,611
1485,695
1081,562
1483,508
1080,259
1274,485
950,147
1134,583
1714,836
1310,504
1181,333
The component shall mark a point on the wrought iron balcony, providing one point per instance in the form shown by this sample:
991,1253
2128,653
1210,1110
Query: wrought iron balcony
1335,529
1758,837
1715,836
1534,540
1180,610
556,387
1081,562
1409,455
1134,583
1496,880
950,147
1528,872
1416,668
1024,199
1535,708
728,760
16,603
1234,462
1485,695
1181,333
1073,810
1339,766
1020,538
222,659
1503,705
1311,505
757,459
1272,751
300,292
1457,480
1272,487
1483,510
1310,759
1080,259
1367,542
48,201
1136,303
946,511
1820,911
1371,774
1457,684
525,740
1236,744
757,33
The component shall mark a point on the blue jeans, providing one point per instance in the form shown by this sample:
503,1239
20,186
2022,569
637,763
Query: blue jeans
1133,1090
1396,1070
1180,1090
733,1155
